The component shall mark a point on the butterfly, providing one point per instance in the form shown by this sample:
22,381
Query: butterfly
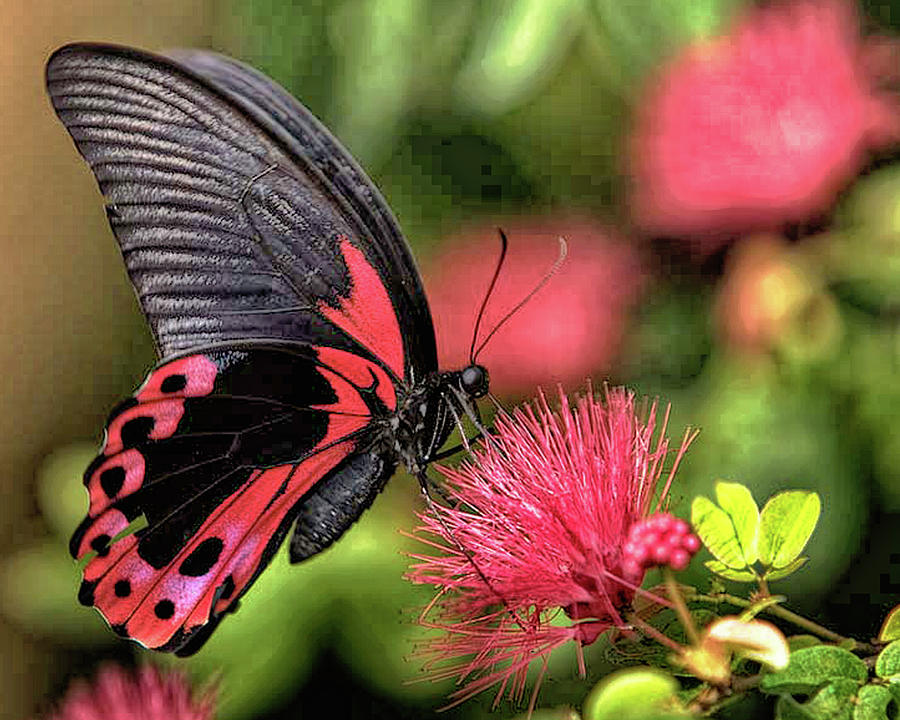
298,365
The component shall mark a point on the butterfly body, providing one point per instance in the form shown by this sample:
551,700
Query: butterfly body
298,364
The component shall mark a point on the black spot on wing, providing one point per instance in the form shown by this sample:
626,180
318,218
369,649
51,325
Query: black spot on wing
100,544
173,383
203,558
86,592
122,588
164,609
137,430
111,480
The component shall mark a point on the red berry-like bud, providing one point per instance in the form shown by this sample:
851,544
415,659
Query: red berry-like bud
661,554
691,543
679,559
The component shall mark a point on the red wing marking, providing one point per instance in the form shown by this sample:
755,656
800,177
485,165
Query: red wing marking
191,376
152,605
367,314
153,420
161,400
116,478
359,371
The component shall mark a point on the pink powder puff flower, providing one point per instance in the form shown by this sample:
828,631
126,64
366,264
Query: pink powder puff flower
543,511
762,127
146,694
571,329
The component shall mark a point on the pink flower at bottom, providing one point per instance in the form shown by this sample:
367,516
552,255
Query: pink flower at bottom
763,126
543,510
146,694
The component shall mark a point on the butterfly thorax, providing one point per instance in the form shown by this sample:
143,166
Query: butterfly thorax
426,416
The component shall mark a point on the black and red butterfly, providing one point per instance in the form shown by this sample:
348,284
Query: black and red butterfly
298,363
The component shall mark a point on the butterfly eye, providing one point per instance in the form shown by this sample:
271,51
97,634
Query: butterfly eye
474,381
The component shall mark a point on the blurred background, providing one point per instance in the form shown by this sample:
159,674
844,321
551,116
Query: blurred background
725,174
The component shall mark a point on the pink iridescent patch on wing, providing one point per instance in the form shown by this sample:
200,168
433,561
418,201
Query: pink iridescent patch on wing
191,376
367,314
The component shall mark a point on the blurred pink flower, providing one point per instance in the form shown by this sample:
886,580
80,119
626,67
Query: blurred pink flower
571,329
147,694
543,510
764,126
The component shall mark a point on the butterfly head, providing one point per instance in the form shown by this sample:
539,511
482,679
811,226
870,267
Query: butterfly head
474,381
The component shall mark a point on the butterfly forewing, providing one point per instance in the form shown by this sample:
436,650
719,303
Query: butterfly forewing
232,204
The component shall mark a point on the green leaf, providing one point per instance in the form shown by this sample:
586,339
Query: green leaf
890,628
785,571
835,701
737,501
634,694
786,522
789,709
726,572
888,663
811,668
894,689
872,703
717,532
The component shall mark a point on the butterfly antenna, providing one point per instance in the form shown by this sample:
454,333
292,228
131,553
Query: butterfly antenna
504,243
563,252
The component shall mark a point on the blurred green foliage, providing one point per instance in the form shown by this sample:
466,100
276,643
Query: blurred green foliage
470,111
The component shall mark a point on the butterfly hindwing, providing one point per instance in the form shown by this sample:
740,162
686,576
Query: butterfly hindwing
233,207
218,452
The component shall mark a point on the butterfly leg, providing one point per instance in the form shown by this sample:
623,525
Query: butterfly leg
449,452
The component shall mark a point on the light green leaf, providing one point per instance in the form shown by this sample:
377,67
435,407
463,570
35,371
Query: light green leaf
888,663
634,694
894,689
785,525
785,571
871,703
811,668
717,532
737,501
890,628
726,572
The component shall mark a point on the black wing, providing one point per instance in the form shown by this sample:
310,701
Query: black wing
237,213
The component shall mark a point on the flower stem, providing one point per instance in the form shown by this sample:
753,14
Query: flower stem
674,592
